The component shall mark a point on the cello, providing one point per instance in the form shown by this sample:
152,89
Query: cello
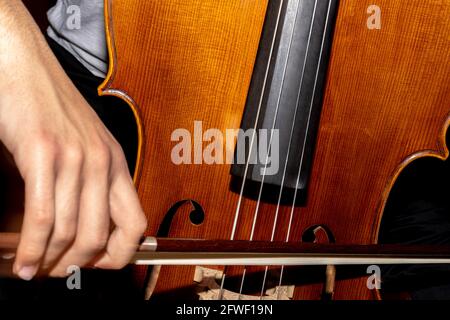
347,103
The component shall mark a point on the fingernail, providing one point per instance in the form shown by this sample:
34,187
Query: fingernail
27,273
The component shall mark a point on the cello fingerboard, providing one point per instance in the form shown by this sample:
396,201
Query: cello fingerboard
285,98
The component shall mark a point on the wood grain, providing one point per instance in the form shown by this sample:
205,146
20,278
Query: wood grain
387,103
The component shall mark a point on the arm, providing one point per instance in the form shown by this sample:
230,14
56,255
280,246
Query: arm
76,178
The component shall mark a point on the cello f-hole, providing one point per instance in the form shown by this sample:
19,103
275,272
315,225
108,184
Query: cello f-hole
196,216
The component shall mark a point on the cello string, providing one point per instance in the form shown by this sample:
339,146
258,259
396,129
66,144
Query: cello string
247,164
275,223
255,218
273,128
327,21
239,204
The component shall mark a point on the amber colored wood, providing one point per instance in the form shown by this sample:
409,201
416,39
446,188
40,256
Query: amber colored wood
181,61
387,103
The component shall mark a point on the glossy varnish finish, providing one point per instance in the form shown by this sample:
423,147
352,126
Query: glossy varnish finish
387,103
183,61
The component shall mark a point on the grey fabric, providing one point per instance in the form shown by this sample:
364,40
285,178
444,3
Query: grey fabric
79,27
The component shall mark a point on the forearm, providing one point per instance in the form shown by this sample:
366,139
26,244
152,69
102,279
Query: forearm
21,41
28,68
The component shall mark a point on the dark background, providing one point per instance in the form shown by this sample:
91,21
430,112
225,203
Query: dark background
418,212
38,9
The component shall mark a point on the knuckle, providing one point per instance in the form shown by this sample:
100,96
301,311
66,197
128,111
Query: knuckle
43,218
117,151
64,236
93,246
73,154
137,227
100,157
41,148
46,143
118,156
141,224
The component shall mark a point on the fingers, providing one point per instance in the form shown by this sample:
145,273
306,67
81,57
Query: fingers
130,222
67,199
70,203
39,212
92,231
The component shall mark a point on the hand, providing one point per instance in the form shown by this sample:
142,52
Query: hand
81,205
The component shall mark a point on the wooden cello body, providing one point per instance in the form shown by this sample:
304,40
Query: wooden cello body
386,103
